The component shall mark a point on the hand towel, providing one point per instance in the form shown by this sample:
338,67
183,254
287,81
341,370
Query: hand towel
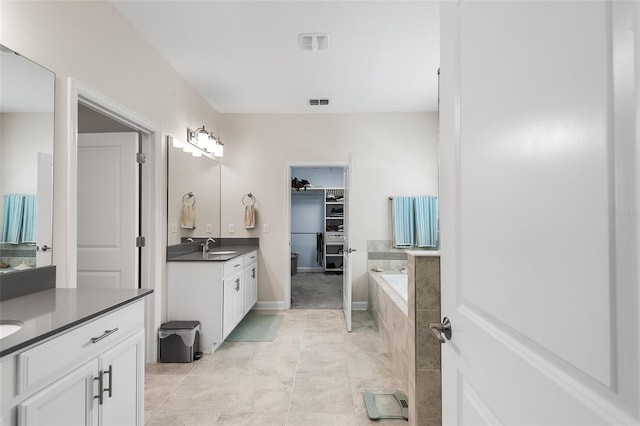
402,220
188,219
249,217
426,215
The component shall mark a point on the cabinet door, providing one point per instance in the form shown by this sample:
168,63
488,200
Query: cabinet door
68,402
250,287
227,306
238,298
233,302
123,383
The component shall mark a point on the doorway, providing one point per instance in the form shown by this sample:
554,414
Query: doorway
151,259
317,237
109,202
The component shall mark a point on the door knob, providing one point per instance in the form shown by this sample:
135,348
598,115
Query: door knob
441,330
351,250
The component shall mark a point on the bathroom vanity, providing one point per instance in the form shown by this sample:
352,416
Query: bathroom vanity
217,288
76,356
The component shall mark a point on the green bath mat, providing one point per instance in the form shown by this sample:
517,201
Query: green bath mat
256,328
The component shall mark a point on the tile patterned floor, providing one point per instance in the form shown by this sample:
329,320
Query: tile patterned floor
312,374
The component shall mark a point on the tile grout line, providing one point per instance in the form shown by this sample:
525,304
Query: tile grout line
295,374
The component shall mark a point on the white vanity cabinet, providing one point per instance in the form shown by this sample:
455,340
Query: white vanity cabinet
214,293
250,280
90,375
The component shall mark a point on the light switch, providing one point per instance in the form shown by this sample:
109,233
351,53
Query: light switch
232,228
209,228
266,228
174,228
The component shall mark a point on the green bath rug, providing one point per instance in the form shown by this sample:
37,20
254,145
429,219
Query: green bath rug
256,328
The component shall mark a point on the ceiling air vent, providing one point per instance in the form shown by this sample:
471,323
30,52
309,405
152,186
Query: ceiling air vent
317,102
314,41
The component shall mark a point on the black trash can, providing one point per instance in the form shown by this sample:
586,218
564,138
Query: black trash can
294,263
179,341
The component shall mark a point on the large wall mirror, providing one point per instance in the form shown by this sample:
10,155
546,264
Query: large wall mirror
26,162
193,195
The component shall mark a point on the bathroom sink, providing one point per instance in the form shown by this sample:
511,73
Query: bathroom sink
216,253
8,327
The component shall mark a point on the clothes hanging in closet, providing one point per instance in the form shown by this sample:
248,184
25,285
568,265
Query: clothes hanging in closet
319,247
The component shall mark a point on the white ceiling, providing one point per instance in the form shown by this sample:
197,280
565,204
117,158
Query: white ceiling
243,56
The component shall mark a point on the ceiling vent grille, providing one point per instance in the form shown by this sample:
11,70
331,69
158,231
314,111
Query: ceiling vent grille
314,41
318,102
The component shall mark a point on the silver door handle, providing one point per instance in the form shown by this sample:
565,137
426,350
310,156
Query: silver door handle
110,388
107,333
44,248
441,330
351,250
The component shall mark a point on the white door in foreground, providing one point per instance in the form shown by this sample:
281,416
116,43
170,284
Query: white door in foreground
540,212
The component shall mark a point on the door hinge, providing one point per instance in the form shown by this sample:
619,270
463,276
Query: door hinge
140,241
141,158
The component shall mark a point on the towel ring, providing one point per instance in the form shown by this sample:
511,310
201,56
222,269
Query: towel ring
248,200
189,197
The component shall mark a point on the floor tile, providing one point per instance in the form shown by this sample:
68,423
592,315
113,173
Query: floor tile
312,374
321,419
312,393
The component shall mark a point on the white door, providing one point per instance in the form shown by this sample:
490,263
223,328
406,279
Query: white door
107,210
45,198
540,212
347,277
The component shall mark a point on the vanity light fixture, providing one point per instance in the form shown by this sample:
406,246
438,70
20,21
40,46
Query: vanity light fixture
201,142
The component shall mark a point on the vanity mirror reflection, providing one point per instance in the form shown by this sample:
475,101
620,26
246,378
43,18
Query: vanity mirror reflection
193,194
26,162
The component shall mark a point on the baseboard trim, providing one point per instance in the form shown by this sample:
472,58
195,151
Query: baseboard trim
359,306
282,306
309,269
270,306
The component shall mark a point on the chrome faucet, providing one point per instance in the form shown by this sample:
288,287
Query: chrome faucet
205,246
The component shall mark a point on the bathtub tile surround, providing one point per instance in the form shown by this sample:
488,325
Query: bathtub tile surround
404,325
15,254
381,253
425,376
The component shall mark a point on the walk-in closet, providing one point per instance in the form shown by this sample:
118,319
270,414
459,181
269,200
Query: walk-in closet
317,237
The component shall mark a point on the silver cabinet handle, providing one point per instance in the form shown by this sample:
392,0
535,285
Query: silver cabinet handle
107,333
238,284
99,396
441,330
110,388
253,273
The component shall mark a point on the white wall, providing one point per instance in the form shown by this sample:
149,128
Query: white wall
19,156
92,43
393,154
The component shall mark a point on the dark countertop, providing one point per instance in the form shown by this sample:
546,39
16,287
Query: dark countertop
196,256
49,312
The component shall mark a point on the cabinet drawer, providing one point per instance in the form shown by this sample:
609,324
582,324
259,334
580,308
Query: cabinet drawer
232,266
250,258
60,355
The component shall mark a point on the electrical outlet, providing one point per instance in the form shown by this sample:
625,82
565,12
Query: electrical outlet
266,228
209,228
232,228
174,228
